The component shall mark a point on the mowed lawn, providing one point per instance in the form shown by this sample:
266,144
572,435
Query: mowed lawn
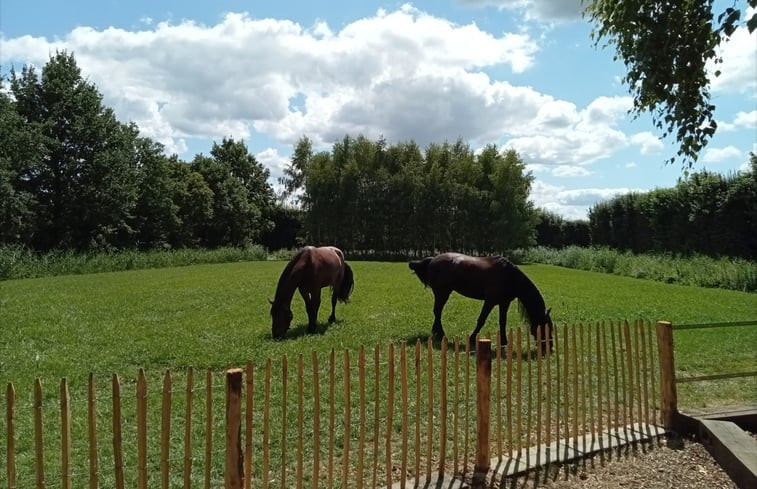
216,316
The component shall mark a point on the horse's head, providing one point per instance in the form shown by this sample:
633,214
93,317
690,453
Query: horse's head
547,329
281,318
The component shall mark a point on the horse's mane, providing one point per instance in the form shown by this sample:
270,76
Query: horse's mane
531,305
285,274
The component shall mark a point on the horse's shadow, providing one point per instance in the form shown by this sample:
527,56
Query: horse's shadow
301,330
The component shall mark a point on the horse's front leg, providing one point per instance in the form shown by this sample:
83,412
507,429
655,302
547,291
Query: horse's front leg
485,310
440,299
503,307
312,304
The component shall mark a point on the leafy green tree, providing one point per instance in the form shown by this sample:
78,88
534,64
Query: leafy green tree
85,182
156,212
193,199
21,149
665,45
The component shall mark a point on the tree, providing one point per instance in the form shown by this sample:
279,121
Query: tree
21,148
242,197
665,45
84,182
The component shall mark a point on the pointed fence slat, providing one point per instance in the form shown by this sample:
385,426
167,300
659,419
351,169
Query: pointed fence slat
10,441
39,456
316,423
92,433
346,422
65,435
188,430
165,431
118,454
208,426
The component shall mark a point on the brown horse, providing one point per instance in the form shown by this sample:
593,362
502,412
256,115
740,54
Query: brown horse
310,270
494,280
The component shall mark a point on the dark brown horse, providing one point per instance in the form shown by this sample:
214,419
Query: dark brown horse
494,280
310,270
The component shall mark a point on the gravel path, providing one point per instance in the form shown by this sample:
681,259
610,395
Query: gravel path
667,463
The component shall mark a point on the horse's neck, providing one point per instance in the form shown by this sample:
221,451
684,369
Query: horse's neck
285,289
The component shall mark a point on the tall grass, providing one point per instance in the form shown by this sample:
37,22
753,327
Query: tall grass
18,262
697,270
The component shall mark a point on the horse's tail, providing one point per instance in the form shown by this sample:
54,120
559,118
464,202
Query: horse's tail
420,267
348,283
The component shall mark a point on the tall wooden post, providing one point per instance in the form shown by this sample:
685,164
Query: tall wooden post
483,409
668,396
234,476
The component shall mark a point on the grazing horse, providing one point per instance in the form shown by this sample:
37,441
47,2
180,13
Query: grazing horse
310,270
494,280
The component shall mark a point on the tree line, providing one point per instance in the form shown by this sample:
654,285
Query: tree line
706,213
370,197
72,177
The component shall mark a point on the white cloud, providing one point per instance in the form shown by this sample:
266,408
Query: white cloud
648,143
271,159
560,134
746,119
739,64
544,10
571,203
717,155
404,74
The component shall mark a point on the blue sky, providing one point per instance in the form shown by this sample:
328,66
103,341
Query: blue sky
521,74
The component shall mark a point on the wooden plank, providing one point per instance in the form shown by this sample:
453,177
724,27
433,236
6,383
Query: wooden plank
316,423
361,425
118,453
10,432
208,425
142,430
442,407
65,435
165,431
300,422
39,456
284,380
234,466
92,432
188,429
266,422
346,422
248,420
389,416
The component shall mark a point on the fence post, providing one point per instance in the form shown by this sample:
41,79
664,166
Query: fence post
483,404
234,473
668,396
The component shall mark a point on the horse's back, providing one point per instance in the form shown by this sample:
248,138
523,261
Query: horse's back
474,277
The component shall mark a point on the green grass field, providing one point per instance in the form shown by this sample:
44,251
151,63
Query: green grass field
214,316
217,316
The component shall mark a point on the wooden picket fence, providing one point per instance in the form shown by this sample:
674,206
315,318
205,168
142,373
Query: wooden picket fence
399,412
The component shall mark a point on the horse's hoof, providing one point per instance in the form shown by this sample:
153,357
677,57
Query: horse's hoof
332,319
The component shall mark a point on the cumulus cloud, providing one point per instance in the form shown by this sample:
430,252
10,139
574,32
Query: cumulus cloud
571,203
739,64
404,74
648,143
540,10
271,159
560,134
717,155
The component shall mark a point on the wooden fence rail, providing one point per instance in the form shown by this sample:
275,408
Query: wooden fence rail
404,413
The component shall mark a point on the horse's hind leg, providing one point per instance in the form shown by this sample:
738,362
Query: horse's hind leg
440,299
332,318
